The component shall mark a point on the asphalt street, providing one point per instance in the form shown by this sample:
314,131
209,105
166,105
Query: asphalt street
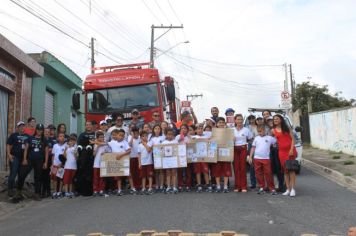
321,207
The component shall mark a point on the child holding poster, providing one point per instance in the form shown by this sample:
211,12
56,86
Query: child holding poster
155,139
171,174
145,164
201,167
70,166
99,148
183,138
134,142
221,168
119,145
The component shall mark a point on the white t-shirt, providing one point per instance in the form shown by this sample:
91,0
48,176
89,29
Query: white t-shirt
134,146
71,162
263,145
57,150
146,157
156,140
119,147
170,141
99,150
185,140
200,137
208,134
241,136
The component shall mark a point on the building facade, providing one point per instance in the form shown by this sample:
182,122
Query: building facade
16,72
52,100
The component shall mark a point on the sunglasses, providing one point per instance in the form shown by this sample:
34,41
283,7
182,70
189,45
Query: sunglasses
155,115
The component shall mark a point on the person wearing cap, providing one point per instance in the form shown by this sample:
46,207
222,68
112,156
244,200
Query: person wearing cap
119,124
108,119
186,119
15,147
229,112
30,127
35,157
135,119
259,120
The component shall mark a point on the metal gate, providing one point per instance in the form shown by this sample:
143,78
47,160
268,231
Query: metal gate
304,122
4,103
49,109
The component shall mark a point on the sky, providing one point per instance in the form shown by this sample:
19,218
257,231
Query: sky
236,48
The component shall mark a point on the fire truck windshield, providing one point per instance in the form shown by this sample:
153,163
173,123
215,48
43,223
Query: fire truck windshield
113,99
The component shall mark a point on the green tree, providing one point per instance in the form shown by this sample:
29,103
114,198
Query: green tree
320,97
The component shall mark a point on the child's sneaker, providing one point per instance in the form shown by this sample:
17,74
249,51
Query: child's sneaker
218,189
101,193
273,192
54,195
168,190
261,191
292,193
209,189
161,189
143,191
133,191
187,189
286,193
67,195
119,192
180,189
95,194
175,190
199,189
226,190
150,191
58,195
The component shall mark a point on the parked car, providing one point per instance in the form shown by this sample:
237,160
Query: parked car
296,129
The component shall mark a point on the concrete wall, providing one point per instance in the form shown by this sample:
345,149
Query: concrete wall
334,130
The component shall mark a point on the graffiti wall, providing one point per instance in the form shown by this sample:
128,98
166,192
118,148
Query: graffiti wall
334,130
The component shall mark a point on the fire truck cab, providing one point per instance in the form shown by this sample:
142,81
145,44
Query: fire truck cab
122,88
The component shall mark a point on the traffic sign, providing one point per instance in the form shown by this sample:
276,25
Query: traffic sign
286,102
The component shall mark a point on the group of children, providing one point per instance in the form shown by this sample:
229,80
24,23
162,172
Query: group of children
252,146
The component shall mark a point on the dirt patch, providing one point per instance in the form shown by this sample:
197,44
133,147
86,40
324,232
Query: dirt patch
343,163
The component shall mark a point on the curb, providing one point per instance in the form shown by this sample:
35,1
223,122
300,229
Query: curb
331,174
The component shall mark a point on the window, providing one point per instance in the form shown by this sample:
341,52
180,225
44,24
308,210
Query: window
113,99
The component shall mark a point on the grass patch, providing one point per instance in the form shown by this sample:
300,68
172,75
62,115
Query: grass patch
336,157
349,163
347,174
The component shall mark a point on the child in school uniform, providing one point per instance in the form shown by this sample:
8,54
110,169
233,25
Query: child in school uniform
134,142
155,139
171,174
201,167
184,138
99,148
221,168
119,145
145,163
261,147
58,149
70,166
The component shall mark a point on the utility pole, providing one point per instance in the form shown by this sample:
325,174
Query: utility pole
194,96
292,84
286,86
153,40
92,55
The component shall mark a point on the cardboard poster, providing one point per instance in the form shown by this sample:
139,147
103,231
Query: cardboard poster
185,106
202,150
166,156
110,167
225,142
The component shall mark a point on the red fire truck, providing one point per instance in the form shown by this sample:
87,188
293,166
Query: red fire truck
122,88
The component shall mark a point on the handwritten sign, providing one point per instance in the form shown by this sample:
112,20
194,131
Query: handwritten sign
202,150
110,167
166,156
225,142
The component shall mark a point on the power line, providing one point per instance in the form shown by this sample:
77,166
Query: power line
160,9
174,12
150,10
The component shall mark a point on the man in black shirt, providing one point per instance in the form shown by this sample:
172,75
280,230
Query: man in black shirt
15,148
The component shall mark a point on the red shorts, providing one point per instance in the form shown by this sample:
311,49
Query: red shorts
146,171
53,173
201,167
221,168
68,176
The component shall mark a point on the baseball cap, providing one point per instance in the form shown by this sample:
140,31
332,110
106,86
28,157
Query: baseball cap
108,117
229,110
185,113
211,120
20,123
259,117
39,126
103,122
135,111
51,127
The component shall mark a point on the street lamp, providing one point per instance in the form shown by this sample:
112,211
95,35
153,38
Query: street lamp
164,52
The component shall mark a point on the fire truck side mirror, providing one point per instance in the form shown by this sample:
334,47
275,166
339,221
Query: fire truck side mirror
76,101
171,93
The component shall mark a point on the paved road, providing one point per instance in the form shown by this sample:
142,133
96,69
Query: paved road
321,207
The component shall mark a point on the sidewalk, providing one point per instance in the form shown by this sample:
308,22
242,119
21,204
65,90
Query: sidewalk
338,167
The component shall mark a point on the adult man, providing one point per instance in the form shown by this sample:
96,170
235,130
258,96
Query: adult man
85,160
214,113
156,119
135,114
119,124
15,147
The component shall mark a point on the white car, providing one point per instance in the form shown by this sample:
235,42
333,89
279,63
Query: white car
257,112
